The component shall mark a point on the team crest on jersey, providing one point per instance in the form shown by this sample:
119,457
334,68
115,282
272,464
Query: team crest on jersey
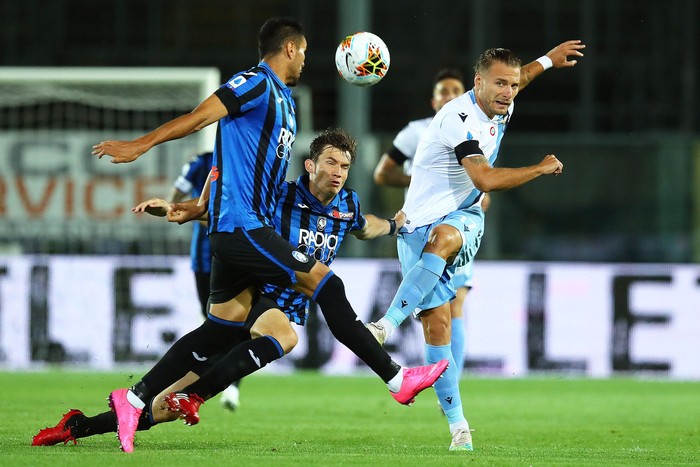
469,136
492,130
342,215
321,224
214,173
299,256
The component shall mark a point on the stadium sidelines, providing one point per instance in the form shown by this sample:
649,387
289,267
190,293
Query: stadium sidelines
583,319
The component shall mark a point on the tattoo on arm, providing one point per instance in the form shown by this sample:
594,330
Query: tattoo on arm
477,160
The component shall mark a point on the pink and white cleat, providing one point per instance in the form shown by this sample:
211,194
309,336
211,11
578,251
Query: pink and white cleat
127,418
417,379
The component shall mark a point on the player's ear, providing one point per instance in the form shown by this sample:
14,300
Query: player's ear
310,166
290,48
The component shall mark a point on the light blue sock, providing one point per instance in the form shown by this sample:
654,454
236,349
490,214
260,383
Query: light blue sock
458,344
419,281
447,387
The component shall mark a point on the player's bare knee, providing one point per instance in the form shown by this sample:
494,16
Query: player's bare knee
444,241
275,324
288,340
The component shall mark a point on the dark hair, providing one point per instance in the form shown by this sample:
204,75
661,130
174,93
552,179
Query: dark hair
448,73
275,33
334,137
496,55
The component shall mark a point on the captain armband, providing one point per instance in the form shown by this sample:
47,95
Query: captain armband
467,148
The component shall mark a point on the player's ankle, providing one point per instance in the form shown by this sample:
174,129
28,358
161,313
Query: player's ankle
389,326
394,384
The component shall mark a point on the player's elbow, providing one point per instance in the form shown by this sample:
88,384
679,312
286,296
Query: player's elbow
482,184
379,176
363,234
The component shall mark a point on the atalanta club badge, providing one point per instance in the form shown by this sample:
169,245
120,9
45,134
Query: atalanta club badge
301,257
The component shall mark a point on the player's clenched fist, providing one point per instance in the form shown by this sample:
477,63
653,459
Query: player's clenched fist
551,165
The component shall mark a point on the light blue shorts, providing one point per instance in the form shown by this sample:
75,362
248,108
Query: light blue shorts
462,276
470,223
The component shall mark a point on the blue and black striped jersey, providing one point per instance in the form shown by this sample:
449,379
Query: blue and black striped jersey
252,150
191,181
314,229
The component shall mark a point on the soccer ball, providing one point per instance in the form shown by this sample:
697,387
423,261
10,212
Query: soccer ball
362,59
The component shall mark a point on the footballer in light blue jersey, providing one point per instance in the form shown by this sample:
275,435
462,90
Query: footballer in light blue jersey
452,167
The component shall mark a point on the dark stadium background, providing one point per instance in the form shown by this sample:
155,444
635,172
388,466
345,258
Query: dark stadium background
624,121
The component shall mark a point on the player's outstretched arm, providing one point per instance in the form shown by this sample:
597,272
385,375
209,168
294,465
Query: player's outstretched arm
376,226
206,113
559,58
487,178
187,211
154,206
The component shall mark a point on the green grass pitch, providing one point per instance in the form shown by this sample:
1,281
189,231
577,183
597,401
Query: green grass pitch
311,419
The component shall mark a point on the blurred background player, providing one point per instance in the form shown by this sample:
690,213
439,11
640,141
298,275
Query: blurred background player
189,185
394,169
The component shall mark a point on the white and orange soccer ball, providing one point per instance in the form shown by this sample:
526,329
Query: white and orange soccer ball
362,59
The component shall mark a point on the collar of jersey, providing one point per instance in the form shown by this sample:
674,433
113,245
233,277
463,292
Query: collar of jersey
497,119
303,184
479,112
273,75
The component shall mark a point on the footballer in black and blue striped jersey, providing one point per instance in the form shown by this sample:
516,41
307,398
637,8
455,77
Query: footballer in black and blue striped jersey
252,151
316,229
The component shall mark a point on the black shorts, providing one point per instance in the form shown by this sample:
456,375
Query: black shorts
255,257
261,306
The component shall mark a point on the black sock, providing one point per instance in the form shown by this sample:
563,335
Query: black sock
343,323
106,422
246,358
190,353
